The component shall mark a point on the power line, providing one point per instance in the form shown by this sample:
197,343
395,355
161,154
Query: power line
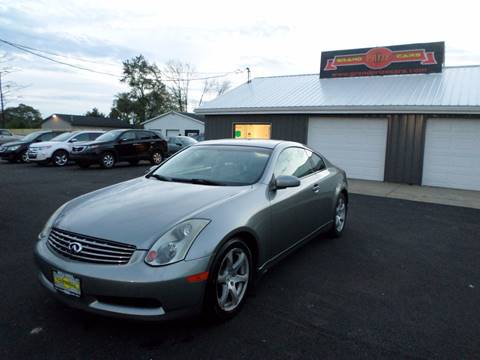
35,52
19,47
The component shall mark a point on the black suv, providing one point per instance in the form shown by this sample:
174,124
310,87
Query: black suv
17,150
121,145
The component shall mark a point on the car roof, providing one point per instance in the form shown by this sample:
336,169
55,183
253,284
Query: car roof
270,144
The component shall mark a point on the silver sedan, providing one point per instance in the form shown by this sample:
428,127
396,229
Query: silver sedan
193,233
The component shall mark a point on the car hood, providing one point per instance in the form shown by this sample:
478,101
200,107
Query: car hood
13,143
139,211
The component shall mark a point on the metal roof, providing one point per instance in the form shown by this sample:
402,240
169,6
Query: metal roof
195,117
455,90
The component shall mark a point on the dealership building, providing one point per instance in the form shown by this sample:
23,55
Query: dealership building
391,114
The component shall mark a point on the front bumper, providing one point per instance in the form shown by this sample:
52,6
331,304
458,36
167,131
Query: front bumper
38,156
135,290
9,155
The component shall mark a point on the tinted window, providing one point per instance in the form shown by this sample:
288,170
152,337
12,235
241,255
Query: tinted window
317,161
47,136
61,137
93,136
293,161
172,140
109,136
82,137
225,165
129,135
4,132
144,135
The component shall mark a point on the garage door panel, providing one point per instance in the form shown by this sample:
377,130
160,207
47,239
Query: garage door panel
355,145
452,153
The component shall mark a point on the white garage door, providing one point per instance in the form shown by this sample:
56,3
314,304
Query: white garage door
355,145
452,153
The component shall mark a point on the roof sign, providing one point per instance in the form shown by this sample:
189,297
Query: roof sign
392,60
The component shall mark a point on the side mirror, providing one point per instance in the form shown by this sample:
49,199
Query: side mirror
179,144
285,181
73,140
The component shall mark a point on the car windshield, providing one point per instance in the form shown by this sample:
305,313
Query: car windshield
215,165
62,137
32,136
109,136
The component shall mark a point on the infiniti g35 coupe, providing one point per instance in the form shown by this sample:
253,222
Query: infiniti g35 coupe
239,206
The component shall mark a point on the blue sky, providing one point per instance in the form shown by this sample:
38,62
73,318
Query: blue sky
271,37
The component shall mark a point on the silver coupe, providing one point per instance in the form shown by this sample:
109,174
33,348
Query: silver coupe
193,233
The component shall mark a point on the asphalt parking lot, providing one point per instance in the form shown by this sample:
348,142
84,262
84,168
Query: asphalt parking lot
403,282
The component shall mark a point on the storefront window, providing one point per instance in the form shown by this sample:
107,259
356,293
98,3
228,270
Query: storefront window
252,131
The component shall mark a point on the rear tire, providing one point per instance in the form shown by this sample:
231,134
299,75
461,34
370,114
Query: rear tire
107,160
339,216
156,157
60,158
228,281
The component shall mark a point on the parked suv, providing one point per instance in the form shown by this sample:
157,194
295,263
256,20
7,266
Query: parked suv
121,145
59,148
176,143
17,150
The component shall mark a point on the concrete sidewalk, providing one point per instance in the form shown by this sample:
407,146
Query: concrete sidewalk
436,195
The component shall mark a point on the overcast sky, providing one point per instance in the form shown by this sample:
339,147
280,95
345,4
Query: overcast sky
270,37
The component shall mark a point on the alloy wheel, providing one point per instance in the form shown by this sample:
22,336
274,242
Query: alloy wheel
232,279
340,214
61,159
108,160
24,157
157,158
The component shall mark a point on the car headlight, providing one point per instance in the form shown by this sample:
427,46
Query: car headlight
13,148
44,147
174,244
49,224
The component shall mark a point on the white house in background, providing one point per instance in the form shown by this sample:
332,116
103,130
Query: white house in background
175,123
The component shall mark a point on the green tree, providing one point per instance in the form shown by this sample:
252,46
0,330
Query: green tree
22,116
147,96
94,113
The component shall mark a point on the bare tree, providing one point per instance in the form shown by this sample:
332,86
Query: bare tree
213,85
179,75
8,89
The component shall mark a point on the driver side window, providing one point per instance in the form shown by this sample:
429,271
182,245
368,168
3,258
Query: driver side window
293,161
128,136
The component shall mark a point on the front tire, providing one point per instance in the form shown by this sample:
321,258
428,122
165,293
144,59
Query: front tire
108,160
339,216
229,281
24,157
60,158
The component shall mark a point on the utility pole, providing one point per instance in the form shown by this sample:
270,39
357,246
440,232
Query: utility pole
248,74
1,102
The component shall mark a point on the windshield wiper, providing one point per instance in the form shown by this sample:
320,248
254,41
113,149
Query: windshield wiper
159,177
200,181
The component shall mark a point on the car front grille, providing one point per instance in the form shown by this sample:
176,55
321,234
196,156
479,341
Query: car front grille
89,249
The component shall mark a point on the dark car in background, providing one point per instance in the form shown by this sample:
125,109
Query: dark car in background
121,145
17,150
7,136
176,143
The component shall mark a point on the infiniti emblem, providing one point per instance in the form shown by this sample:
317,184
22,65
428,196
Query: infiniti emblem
75,247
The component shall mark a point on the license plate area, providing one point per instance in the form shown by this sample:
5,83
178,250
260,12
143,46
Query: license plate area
66,283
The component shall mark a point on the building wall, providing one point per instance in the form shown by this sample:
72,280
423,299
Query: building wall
405,148
284,127
174,122
56,124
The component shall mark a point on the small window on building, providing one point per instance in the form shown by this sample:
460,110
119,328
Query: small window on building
252,131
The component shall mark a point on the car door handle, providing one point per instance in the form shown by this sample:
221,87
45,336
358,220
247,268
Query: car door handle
316,188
